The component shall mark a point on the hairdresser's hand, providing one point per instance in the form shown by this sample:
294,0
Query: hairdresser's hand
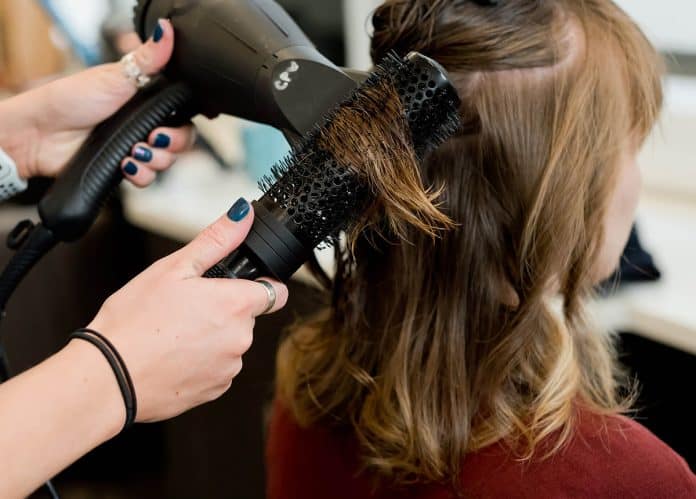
182,336
43,128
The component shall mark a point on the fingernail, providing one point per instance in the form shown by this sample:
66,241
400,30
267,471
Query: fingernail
158,33
239,210
162,141
142,154
130,168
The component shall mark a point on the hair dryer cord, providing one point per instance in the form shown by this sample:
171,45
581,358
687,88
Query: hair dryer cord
39,242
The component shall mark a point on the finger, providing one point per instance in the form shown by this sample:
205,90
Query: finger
252,297
137,173
173,139
155,159
216,241
154,54
266,302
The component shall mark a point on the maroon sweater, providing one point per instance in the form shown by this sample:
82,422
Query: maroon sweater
608,458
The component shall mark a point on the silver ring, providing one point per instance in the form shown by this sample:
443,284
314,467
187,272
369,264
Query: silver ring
272,297
132,71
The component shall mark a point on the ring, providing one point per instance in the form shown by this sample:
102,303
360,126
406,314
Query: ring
132,71
272,297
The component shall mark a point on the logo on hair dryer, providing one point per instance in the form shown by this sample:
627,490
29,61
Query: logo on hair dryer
284,79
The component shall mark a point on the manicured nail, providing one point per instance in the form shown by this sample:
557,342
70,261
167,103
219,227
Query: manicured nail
142,154
130,168
162,141
239,210
158,33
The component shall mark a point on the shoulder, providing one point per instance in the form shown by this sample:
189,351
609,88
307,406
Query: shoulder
612,457
309,463
608,456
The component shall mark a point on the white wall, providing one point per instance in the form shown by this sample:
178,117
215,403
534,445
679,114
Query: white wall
356,14
669,157
671,24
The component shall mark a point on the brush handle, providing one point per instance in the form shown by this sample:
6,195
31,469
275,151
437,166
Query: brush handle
270,249
236,266
73,204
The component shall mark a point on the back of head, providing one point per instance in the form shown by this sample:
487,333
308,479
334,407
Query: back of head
435,348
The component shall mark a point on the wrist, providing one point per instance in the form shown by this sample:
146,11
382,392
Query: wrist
19,134
102,396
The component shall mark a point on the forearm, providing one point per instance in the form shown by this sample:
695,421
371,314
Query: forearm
55,413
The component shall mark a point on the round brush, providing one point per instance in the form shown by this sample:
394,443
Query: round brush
324,185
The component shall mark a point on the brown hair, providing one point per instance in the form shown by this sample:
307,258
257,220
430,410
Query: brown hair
435,348
370,135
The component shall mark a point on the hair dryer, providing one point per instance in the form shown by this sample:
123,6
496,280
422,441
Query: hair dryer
247,58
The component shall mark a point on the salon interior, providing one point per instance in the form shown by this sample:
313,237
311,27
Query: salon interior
217,450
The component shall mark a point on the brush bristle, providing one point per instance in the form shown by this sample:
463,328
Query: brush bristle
319,195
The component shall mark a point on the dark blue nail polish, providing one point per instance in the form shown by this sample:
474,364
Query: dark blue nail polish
142,154
162,141
239,210
130,168
158,33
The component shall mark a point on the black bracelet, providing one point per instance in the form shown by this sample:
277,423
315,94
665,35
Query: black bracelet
126,374
125,383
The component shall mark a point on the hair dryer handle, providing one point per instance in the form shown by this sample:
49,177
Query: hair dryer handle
72,205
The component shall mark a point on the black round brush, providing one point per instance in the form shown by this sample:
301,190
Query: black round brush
319,190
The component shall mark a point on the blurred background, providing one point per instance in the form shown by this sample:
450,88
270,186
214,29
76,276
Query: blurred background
216,451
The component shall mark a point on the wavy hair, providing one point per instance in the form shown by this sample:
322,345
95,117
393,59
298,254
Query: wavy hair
434,348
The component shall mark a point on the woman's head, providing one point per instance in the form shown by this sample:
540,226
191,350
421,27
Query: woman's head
435,348
559,95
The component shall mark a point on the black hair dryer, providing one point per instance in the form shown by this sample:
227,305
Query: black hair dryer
245,58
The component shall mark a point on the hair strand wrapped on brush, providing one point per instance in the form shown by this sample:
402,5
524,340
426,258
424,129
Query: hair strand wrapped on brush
374,138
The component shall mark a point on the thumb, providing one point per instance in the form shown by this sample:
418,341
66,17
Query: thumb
153,55
89,97
216,241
